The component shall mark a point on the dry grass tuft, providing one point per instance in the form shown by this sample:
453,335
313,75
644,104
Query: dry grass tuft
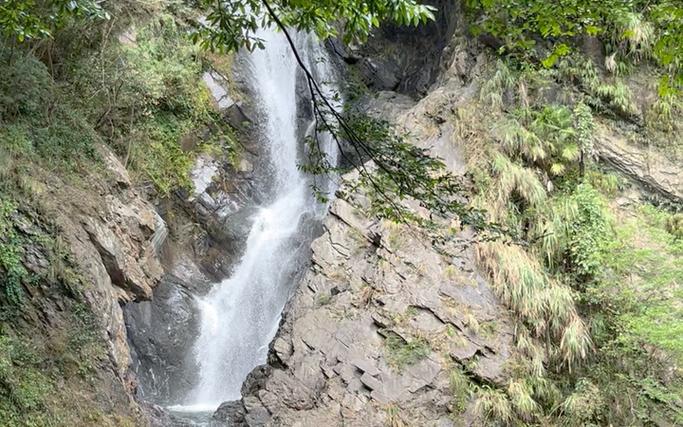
544,306
493,404
520,396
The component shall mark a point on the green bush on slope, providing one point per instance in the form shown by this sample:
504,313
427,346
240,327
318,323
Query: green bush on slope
145,98
38,118
152,104
596,303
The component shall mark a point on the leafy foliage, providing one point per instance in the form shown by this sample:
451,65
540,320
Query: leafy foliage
25,20
38,117
589,232
633,29
12,270
235,24
648,254
30,392
21,391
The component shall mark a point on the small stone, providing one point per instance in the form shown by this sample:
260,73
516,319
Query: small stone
283,349
232,413
370,382
245,166
365,366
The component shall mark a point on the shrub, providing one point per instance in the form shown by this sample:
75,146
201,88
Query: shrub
39,117
583,404
26,87
589,233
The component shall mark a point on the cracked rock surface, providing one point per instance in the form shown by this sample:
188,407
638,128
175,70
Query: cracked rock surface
648,167
378,323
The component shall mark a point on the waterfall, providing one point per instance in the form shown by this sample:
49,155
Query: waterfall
239,317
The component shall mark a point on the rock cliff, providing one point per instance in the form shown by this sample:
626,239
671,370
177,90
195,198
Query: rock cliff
384,319
375,330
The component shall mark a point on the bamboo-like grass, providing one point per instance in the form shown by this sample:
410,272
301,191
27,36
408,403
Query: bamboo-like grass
525,148
493,404
521,398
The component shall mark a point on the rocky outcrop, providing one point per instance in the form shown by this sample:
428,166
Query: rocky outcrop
161,331
130,261
651,168
406,59
378,323
384,317
107,229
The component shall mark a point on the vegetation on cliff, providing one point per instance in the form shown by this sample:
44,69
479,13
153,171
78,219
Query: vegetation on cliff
595,286
597,302
70,85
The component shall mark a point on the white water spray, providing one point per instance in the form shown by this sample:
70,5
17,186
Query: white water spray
239,317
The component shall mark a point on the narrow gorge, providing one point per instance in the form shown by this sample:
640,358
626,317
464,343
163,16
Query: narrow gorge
255,213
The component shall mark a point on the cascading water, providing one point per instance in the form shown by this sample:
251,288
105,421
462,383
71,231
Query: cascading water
239,317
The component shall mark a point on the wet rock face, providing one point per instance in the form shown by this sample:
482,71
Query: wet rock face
161,331
230,413
109,230
405,59
131,266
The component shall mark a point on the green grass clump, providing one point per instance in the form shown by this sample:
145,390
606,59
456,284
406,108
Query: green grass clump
582,405
12,270
24,389
401,353
493,405
324,299
459,385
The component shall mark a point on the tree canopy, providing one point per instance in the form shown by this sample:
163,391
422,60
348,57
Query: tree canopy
631,30
230,25
22,20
